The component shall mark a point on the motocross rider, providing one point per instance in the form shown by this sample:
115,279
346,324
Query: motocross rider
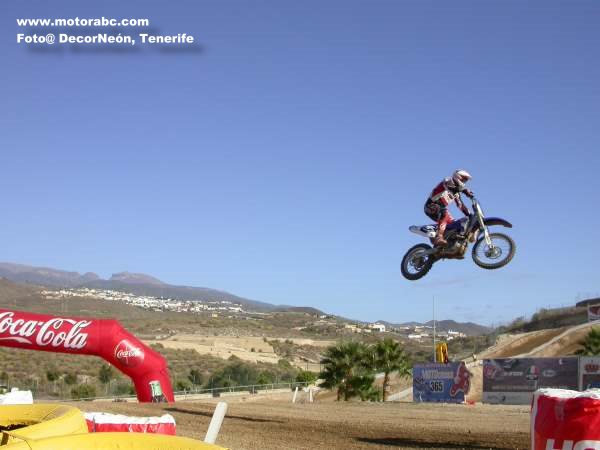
446,192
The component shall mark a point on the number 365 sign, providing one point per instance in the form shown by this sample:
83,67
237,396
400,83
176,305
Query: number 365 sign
446,383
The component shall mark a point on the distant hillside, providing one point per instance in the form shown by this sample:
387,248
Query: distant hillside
545,319
178,292
301,309
10,291
135,278
405,324
135,283
469,328
44,276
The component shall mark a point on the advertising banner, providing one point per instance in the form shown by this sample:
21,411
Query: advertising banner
593,313
589,372
444,383
513,381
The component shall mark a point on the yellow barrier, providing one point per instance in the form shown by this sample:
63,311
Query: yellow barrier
62,427
40,421
113,441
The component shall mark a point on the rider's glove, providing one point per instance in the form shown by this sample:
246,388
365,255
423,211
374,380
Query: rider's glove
469,193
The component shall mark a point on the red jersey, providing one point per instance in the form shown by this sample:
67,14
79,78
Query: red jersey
443,195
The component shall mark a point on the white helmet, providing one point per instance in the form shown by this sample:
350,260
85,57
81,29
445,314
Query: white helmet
460,177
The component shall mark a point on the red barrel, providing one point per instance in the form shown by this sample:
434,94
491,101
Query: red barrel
565,420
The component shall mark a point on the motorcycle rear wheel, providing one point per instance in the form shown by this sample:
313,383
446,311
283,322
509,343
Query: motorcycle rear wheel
420,264
502,254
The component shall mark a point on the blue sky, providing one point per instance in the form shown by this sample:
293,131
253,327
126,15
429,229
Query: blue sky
286,160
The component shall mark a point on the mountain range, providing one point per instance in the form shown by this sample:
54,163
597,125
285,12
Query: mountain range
142,284
469,328
135,283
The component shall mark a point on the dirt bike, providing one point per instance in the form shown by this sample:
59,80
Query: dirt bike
491,250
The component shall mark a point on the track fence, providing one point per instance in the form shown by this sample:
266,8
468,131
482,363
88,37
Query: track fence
190,394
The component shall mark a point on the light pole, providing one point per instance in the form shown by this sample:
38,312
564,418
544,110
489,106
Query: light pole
433,302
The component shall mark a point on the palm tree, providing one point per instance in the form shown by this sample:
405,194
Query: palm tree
388,357
344,364
361,385
590,344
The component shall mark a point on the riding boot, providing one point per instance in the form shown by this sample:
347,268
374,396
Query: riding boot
439,240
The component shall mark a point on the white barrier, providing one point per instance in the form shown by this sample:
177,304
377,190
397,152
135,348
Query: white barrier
215,423
16,397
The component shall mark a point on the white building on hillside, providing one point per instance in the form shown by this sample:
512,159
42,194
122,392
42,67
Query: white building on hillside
377,327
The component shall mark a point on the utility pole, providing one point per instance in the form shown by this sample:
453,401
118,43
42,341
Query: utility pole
433,302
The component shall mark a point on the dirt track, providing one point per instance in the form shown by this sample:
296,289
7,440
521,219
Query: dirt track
270,424
522,343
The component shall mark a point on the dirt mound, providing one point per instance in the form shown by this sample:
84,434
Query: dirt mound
563,345
512,345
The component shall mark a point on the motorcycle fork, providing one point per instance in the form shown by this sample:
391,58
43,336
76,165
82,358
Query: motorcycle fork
486,236
486,233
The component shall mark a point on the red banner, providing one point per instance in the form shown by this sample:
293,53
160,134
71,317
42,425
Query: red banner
103,422
565,420
84,336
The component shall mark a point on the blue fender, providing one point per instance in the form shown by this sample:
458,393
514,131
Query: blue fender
497,221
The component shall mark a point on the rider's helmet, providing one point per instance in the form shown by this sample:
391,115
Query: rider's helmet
460,177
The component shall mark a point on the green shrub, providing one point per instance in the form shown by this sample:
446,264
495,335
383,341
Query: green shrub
105,374
124,388
52,374
306,376
70,378
265,378
83,391
182,385
196,377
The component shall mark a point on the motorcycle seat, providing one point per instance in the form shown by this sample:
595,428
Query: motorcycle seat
424,230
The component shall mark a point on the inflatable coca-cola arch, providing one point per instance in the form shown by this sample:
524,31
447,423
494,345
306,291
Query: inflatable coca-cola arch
84,336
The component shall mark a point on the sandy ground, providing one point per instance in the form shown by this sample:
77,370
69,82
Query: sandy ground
272,424
223,346
566,345
303,341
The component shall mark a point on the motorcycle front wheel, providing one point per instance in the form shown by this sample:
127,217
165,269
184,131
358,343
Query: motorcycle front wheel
416,263
500,254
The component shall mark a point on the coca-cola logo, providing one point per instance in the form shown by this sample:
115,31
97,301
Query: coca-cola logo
129,354
56,332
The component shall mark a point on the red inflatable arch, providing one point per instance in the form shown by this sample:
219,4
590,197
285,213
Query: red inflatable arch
84,336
